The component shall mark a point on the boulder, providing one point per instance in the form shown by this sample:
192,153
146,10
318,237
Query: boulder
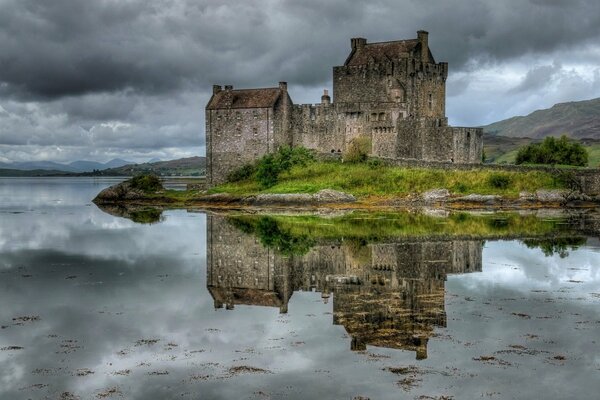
479,198
333,196
551,196
285,198
436,194
119,192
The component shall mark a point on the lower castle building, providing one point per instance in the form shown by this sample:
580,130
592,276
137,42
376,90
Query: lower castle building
394,93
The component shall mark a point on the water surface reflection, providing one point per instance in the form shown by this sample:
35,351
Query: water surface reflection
221,306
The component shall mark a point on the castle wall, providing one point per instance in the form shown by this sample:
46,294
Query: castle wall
467,145
313,127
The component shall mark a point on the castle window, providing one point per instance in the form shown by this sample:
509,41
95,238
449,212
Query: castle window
430,102
374,116
254,131
237,115
382,116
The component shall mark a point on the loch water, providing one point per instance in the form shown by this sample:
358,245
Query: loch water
184,304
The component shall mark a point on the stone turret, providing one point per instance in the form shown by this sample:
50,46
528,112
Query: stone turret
325,99
423,38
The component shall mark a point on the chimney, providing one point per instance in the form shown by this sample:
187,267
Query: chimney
283,86
423,37
358,43
228,87
217,89
325,99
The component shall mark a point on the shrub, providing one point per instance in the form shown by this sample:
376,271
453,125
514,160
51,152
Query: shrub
499,181
146,183
358,149
553,151
270,166
374,163
267,171
241,173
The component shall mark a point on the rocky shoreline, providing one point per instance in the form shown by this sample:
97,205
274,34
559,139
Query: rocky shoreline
124,194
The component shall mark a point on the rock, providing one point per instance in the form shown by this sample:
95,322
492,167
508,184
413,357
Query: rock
333,196
436,194
121,191
286,198
527,196
479,198
551,196
578,196
219,198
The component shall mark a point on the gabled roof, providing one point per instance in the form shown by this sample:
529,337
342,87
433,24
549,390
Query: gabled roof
244,98
381,52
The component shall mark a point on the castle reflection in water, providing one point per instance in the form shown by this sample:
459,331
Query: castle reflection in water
386,294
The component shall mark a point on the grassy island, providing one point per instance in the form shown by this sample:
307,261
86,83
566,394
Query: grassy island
375,179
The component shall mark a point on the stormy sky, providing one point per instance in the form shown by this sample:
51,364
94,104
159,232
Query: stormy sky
130,78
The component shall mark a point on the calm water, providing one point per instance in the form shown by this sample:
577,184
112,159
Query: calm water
218,307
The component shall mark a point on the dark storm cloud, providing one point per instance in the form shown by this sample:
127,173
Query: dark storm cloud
68,47
98,76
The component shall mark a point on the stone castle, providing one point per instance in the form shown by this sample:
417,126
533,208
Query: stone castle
389,294
392,92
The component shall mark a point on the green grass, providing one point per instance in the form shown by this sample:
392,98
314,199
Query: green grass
363,180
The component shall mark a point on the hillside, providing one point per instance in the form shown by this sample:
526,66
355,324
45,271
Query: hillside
580,119
503,149
192,166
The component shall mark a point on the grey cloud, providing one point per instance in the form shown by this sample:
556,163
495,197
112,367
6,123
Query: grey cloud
67,67
537,78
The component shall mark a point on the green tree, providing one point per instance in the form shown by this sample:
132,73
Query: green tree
553,151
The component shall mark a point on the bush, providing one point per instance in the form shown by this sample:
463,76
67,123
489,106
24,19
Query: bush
241,173
271,166
358,149
267,171
374,163
553,151
499,181
146,183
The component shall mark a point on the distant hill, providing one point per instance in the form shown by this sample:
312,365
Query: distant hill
89,166
192,166
579,119
75,166
503,149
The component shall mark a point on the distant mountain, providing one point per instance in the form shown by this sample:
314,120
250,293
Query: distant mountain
155,160
192,166
75,166
579,119
89,166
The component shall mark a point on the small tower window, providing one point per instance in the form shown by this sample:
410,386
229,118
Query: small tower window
430,102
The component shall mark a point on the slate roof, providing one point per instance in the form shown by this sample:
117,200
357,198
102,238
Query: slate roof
382,51
244,98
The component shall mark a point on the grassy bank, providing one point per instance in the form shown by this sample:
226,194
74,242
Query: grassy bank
364,180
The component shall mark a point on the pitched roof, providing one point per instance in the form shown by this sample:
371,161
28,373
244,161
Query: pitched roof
382,51
244,98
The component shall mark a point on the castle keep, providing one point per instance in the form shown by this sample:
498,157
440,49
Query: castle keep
392,92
